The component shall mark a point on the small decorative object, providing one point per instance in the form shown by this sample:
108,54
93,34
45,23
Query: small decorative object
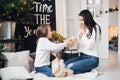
2,57
113,9
58,68
57,37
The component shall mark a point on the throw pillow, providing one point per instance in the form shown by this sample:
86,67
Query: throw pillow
17,58
15,73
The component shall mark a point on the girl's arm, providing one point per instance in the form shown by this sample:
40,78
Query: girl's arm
55,47
50,46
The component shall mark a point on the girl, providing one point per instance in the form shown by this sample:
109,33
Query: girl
44,47
89,37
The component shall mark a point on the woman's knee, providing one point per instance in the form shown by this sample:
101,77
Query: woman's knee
95,62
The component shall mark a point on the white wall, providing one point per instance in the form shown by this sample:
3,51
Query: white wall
113,18
113,3
67,22
73,9
104,23
61,24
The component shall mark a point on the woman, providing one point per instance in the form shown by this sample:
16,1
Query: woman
44,48
89,36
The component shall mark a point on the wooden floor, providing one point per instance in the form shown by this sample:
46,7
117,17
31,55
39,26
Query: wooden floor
109,68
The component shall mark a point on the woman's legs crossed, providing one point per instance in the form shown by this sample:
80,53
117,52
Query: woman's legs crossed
72,60
86,64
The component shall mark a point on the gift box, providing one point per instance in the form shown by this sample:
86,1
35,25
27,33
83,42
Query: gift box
58,68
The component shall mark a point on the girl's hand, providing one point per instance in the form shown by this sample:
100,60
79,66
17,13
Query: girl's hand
70,42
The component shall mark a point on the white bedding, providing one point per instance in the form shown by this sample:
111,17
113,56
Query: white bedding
86,76
18,73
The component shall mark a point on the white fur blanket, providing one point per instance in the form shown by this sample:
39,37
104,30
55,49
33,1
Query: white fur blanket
86,76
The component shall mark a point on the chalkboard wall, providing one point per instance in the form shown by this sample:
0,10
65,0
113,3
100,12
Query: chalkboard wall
43,13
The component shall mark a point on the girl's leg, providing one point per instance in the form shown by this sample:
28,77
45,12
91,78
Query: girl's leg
85,65
44,70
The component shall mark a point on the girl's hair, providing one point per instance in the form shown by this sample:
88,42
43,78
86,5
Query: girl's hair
42,31
89,22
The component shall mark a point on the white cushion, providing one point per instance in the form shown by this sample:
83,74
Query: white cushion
17,58
14,73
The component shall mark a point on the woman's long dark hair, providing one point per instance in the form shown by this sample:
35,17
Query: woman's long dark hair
89,22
